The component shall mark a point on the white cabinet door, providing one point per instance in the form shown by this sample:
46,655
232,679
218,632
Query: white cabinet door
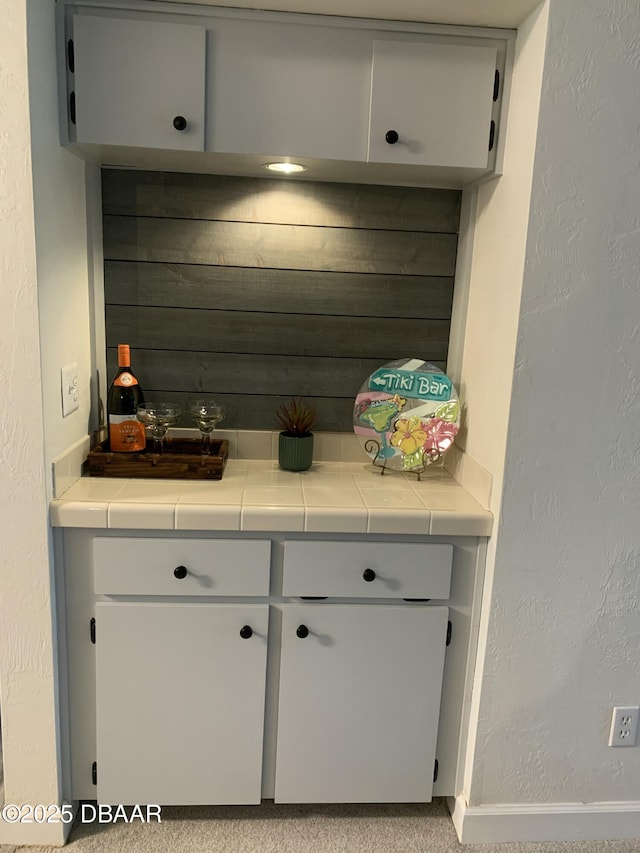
436,99
180,702
359,702
134,79
288,90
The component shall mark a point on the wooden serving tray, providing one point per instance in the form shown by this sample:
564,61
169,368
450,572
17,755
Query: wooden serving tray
181,459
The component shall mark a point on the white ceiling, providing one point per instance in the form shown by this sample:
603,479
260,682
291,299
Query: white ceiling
482,13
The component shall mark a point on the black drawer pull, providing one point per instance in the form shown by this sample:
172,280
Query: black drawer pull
246,632
391,137
180,572
302,631
369,575
180,123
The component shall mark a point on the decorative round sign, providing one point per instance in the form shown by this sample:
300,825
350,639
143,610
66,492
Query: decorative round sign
406,415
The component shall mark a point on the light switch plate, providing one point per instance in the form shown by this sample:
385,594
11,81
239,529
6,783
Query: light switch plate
69,388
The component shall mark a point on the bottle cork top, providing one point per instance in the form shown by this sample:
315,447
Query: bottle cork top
124,355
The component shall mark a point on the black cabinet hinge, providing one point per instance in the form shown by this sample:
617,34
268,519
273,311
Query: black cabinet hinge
492,134
435,771
449,629
496,85
71,58
92,630
94,772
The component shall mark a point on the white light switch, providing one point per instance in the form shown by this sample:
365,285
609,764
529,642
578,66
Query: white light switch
69,388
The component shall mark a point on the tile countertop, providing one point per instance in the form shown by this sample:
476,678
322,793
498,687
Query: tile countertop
331,497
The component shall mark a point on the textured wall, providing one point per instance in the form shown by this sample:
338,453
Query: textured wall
26,648
43,276
500,218
563,634
499,243
61,241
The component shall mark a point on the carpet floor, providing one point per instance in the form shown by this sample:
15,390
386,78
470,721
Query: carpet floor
271,828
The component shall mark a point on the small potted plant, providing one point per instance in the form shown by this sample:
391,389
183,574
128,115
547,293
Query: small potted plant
296,419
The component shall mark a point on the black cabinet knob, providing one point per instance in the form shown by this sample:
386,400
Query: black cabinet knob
180,572
369,575
180,123
391,136
246,632
302,631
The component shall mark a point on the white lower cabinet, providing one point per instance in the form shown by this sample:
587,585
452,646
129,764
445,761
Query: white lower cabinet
216,683
359,702
180,702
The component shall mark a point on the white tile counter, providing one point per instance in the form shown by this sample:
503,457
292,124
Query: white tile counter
331,497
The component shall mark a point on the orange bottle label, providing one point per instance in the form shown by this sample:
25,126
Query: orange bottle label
125,380
126,435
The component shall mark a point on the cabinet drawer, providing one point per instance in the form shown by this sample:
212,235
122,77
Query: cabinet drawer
367,569
127,566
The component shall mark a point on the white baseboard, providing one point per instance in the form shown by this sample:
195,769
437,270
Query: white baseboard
544,822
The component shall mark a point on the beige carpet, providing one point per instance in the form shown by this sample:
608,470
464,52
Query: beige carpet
271,828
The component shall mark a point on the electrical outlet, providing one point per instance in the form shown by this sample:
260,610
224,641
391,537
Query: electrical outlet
624,725
69,388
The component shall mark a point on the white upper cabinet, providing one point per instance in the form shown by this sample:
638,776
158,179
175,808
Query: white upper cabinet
137,83
288,89
431,103
367,102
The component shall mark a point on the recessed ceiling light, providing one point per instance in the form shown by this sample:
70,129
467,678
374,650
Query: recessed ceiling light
285,168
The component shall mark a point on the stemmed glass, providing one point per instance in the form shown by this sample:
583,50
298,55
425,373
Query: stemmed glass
206,414
158,417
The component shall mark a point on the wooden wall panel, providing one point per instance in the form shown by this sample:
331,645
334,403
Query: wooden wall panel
235,199
228,373
299,247
254,290
274,333
257,411
289,291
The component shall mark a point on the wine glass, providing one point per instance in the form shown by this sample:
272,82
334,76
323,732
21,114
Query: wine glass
158,417
206,414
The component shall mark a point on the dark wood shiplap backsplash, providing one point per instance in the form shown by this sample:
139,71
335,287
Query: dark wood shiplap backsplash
256,290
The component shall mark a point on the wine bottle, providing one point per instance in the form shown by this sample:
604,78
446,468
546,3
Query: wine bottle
126,433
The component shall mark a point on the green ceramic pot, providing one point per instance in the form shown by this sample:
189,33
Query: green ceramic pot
295,452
